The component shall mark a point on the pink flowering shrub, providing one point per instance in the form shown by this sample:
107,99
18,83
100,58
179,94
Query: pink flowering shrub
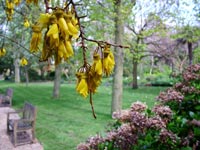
134,125
174,124
186,107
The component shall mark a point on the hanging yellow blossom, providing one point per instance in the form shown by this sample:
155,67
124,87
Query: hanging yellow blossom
73,30
95,73
69,48
82,86
2,52
108,61
26,23
36,38
9,9
17,2
53,33
23,62
44,19
30,1
62,23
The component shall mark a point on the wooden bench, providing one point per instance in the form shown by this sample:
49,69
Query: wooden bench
6,100
22,129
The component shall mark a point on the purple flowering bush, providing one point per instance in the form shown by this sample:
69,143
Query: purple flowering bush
186,107
172,124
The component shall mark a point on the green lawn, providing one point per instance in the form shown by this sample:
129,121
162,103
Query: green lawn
65,122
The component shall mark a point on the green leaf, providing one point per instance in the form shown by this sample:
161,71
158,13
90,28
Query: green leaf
197,107
186,148
184,120
191,114
197,131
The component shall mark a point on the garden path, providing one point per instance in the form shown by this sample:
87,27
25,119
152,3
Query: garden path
5,143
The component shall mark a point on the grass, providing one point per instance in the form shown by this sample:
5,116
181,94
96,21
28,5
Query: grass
65,122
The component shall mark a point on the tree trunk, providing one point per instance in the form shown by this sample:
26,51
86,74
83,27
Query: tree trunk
17,70
118,70
26,74
135,84
152,65
57,80
190,53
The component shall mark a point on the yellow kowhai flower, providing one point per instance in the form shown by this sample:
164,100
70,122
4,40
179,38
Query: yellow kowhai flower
17,2
44,19
23,62
73,30
82,86
97,64
30,1
9,5
95,73
69,48
108,61
61,52
36,38
2,52
53,34
62,24
26,23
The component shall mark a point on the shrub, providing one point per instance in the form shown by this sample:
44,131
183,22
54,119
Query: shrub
172,124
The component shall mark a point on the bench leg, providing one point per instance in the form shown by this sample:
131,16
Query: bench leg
15,134
8,131
15,138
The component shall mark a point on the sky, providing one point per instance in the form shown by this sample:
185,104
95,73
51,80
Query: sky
184,9
187,11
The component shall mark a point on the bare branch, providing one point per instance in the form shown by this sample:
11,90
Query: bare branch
17,44
132,29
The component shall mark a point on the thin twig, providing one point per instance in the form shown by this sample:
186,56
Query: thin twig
105,42
91,103
46,5
18,44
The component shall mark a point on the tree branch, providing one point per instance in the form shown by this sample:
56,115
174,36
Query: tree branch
18,44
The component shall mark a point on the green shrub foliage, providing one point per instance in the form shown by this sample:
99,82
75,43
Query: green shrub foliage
172,124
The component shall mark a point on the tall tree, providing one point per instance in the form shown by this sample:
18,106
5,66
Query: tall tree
188,35
148,20
118,53
57,80
152,26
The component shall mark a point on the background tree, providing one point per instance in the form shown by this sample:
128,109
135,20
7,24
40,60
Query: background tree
188,35
118,71
147,21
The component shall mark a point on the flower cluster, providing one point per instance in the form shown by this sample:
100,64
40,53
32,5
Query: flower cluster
128,114
170,95
83,146
138,106
165,136
2,52
139,120
162,111
23,61
134,124
89,76
94,141
156,123
122,116
126,136
61,26
191,78
192,73
185,89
